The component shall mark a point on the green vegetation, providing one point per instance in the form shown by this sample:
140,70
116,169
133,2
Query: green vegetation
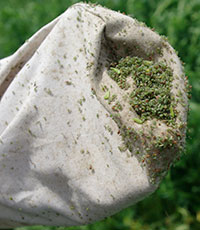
176,204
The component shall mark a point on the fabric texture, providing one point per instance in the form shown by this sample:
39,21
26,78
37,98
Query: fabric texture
60,162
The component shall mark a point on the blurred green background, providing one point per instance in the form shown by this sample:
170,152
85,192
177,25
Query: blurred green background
176,204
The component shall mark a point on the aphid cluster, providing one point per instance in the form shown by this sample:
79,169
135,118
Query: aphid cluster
147,87
151,96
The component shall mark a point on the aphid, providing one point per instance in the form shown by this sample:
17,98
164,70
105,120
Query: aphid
171,111
68,82
116,70
138,121
107,95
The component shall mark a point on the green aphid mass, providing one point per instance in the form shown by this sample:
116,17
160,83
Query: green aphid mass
151,95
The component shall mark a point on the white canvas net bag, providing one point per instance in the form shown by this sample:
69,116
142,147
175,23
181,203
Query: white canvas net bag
70,154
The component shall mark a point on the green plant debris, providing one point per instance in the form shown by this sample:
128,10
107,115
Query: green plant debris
151,97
